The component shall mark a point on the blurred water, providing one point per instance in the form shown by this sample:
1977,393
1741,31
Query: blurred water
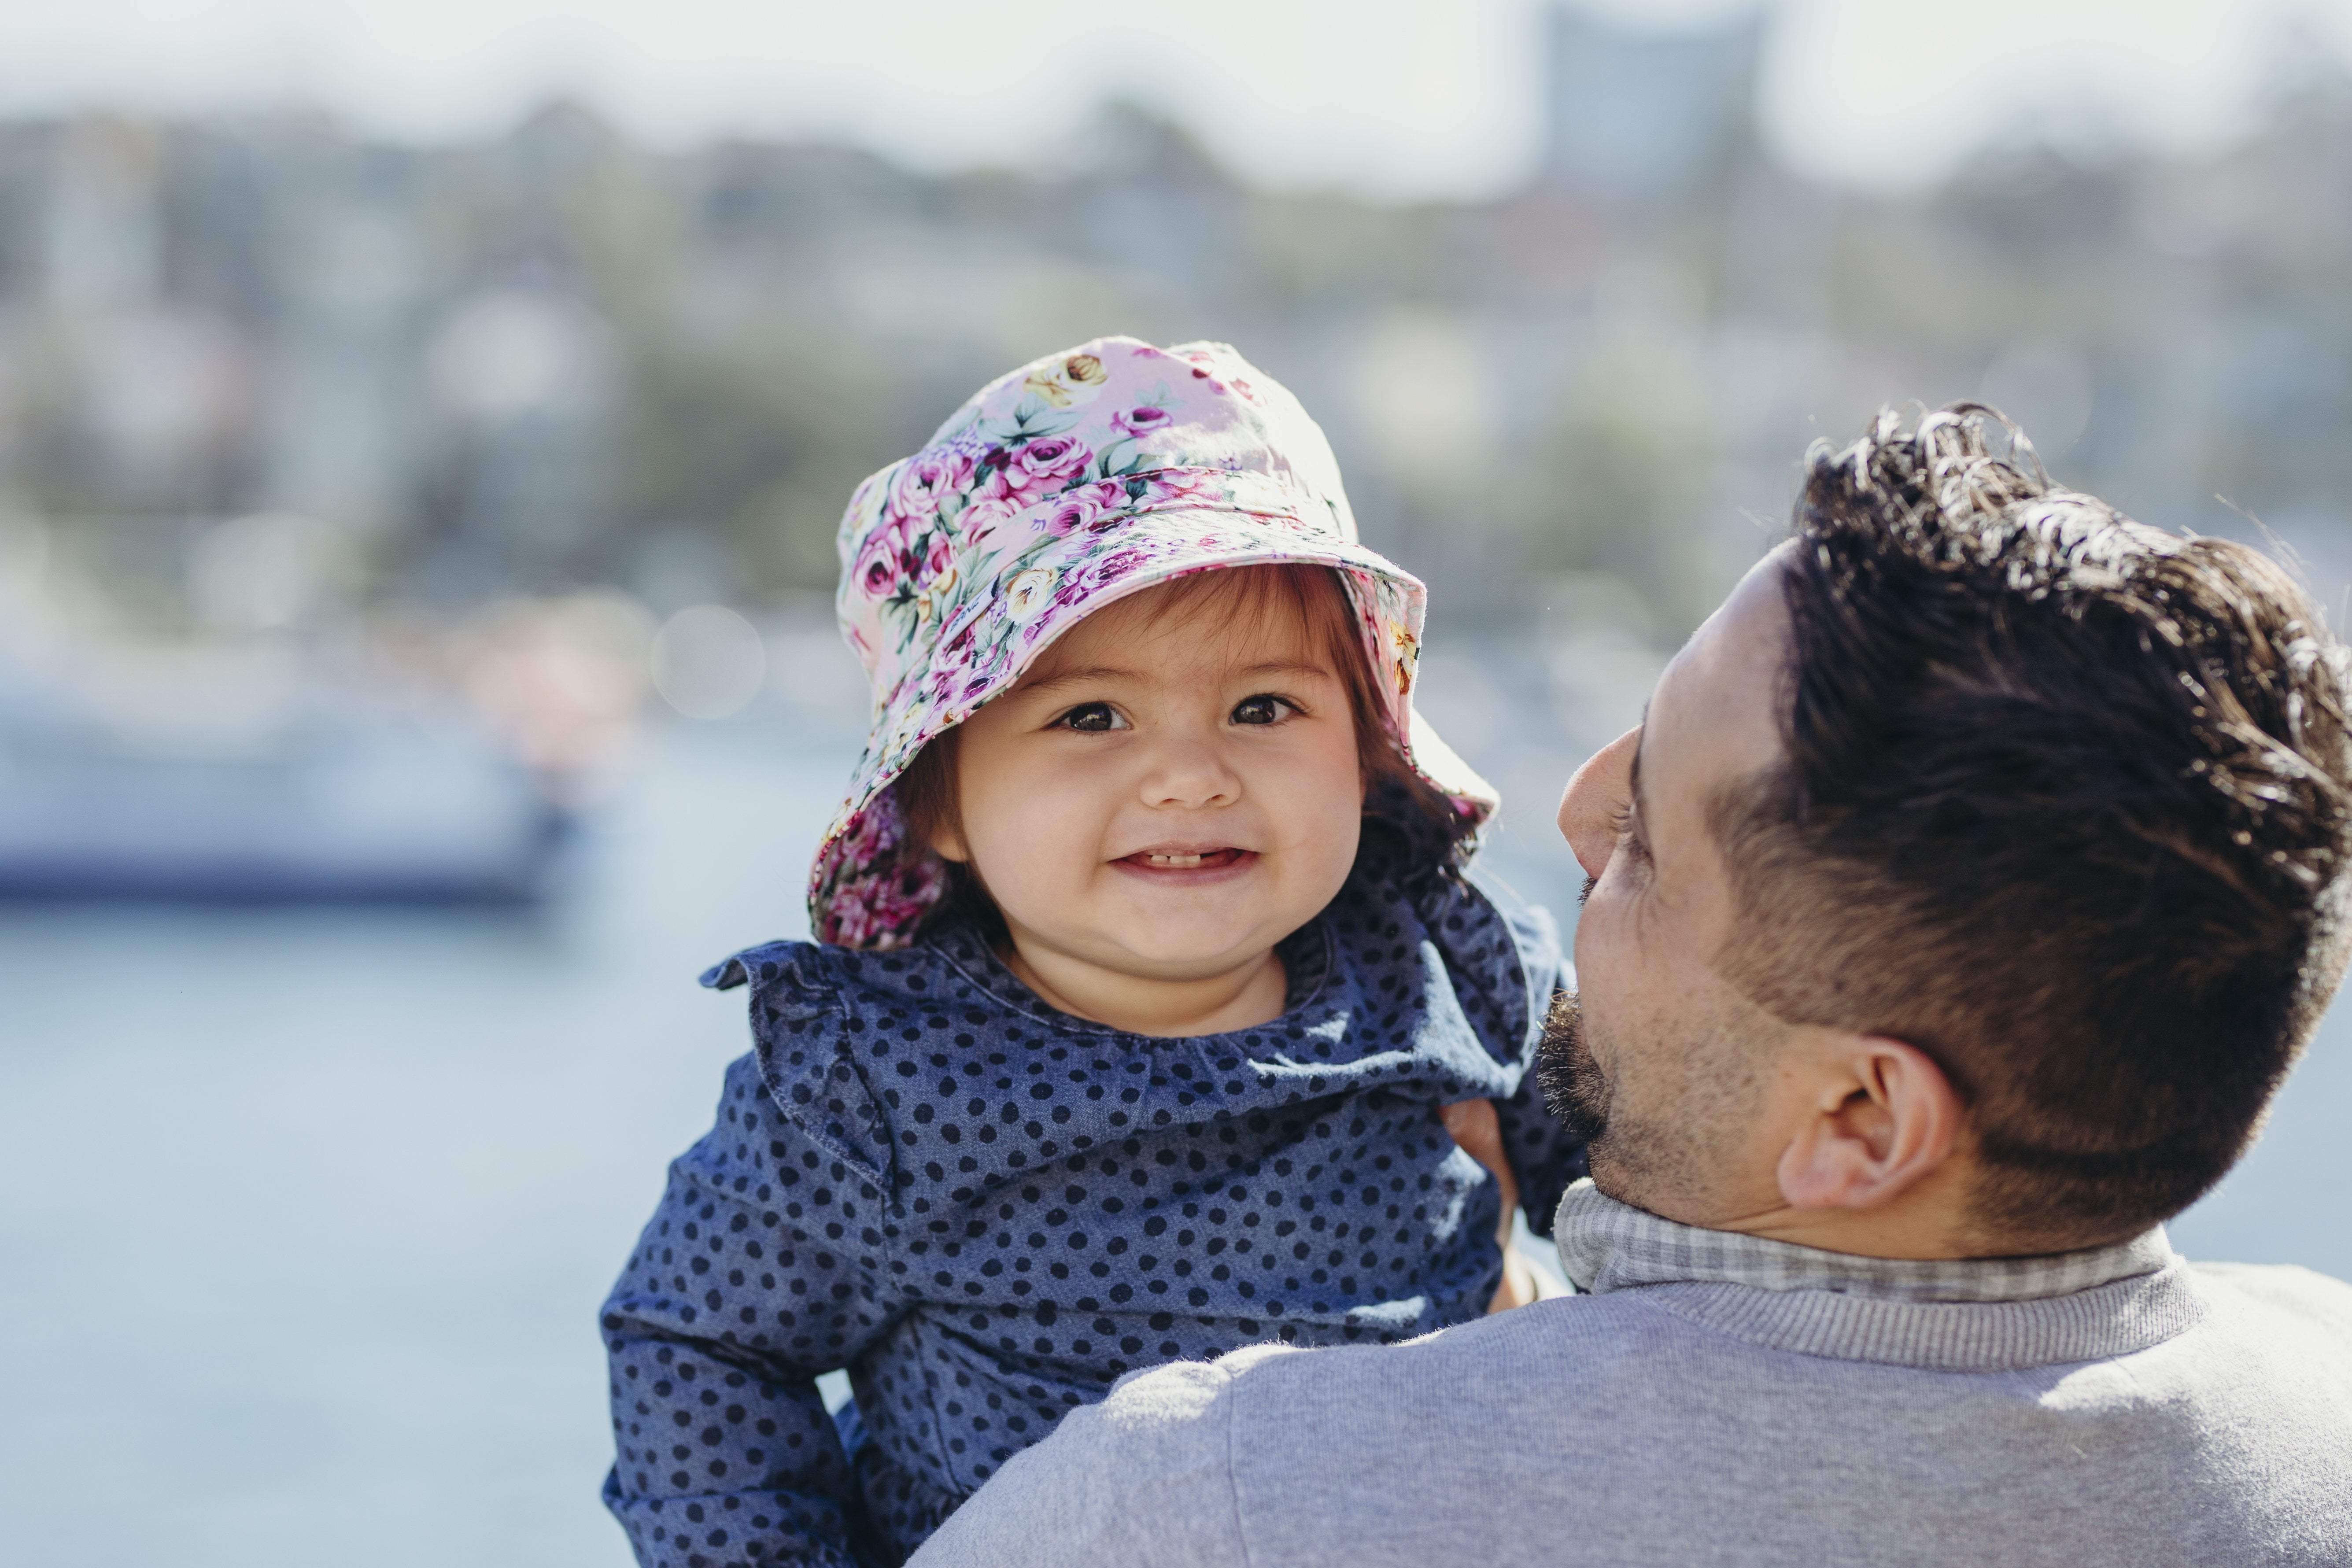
308,1214
304,1216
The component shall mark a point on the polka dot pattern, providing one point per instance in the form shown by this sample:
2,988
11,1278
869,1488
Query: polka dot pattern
988,1211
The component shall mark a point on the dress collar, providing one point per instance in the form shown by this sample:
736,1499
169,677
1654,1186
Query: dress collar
1306,961
1607,1245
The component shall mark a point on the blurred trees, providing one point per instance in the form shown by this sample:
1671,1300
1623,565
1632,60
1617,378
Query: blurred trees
557,359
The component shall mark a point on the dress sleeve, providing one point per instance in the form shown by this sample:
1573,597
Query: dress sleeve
1508,956
1542,1153
765,1265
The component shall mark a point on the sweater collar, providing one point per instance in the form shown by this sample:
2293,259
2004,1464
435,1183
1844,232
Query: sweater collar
1607,1245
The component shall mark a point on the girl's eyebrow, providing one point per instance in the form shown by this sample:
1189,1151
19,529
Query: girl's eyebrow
1071,677
1061,677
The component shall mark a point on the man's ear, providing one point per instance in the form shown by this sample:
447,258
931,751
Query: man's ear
1881,1118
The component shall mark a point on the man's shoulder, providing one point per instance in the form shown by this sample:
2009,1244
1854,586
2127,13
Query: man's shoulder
2283,1296
1521,1366
1604,1403
1182,1391
1143,1478
1632,1343
2286,1284
1589,1408
1163,1470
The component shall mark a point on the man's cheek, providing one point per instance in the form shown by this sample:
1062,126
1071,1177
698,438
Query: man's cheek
1598,975
1599,946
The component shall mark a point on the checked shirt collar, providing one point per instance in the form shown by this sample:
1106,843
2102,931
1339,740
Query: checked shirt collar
1605,1246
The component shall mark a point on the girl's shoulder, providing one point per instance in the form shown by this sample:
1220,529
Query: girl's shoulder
824,1019
843,1037
816,968
947,980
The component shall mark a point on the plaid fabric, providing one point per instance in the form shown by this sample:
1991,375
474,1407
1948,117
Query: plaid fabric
1607,1245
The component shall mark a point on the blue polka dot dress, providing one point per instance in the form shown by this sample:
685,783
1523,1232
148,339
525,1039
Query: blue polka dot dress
987,1210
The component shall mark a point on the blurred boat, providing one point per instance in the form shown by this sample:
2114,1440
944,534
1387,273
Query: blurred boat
244,790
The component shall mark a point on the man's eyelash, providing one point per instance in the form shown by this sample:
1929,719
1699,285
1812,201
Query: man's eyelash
1621,823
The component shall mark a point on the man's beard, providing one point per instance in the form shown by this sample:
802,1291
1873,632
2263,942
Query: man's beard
1669,1152
1573,1083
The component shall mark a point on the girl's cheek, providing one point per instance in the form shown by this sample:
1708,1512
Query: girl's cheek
1033,819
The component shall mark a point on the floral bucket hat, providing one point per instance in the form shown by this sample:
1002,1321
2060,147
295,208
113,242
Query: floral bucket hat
1064,487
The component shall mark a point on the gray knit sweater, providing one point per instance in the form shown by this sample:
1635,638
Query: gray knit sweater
1720,1400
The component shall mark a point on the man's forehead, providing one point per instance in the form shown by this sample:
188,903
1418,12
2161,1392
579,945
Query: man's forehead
1716,714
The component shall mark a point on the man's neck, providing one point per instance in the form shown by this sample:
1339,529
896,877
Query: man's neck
1872,1233
1928,1220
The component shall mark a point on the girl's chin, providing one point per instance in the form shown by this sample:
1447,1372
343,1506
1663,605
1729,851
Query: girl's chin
1201,952
1176,950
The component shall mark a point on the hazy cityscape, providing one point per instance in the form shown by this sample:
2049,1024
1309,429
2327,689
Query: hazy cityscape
427,549
285,410
556,359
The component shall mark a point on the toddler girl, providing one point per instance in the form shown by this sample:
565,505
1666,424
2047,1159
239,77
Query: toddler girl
1145,965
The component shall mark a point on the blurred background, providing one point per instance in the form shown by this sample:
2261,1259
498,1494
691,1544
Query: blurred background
421,437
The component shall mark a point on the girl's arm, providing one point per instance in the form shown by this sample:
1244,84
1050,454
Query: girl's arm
763,1266
1540,1150
1473,1126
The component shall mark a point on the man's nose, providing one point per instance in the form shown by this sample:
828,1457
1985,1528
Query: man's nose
1192,774
1597,793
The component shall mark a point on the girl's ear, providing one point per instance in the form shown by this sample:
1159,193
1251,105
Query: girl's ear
947,845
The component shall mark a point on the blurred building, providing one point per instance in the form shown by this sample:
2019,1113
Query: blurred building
557,360
1647,119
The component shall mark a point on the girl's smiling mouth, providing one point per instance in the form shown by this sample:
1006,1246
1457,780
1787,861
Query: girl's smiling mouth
1174,860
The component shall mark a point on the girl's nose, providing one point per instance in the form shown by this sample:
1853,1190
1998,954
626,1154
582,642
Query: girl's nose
1190,774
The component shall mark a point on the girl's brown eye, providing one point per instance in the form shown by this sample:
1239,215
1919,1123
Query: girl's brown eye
1258,710
1089,718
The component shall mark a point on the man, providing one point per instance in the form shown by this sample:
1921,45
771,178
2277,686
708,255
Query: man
1975,877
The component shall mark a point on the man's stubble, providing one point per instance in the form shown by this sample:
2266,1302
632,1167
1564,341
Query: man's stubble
1662,1123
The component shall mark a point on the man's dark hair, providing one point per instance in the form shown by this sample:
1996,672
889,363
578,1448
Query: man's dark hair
2065,807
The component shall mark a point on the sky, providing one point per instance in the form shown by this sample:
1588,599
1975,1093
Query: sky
1396,98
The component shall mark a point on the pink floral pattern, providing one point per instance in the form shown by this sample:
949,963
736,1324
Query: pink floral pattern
1059,489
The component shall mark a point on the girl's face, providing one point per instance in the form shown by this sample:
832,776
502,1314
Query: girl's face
1162,799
